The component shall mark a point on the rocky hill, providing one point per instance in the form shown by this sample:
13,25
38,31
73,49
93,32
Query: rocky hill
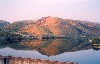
53,26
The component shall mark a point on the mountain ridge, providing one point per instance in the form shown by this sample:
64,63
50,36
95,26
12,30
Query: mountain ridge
54,26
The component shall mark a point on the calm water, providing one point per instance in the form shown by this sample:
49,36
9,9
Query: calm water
89,56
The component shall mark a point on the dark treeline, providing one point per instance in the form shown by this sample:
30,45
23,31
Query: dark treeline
7,38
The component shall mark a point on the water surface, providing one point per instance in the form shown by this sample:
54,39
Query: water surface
89,56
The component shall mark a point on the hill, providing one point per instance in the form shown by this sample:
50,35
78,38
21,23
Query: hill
15,26
53,26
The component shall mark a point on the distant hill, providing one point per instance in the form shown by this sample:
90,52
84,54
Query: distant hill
15,26
54,26
3,23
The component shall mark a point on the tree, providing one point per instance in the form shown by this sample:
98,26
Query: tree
96,40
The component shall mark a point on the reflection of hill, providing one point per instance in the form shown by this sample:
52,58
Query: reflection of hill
57,46
37,44
17,46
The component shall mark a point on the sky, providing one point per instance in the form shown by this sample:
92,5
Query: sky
15,10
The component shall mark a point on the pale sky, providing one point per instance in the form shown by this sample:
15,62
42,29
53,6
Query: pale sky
13,10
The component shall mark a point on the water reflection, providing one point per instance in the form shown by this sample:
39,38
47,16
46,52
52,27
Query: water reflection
51,47
56,46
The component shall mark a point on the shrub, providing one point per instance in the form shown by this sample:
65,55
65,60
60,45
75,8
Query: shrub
96,40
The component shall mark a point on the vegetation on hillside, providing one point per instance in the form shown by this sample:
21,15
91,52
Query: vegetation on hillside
54,27
58,27
8,38
16,26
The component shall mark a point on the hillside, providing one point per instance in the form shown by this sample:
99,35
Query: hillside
3,23
15,26
53,26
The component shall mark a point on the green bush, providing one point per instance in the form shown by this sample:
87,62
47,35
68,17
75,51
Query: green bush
96,40
13,38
